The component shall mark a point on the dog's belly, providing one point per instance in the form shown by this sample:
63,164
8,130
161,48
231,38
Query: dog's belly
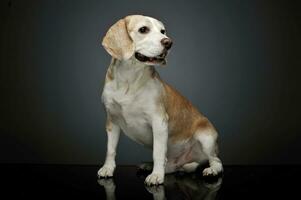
182,152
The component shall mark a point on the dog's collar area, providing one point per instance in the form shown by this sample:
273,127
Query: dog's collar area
143,58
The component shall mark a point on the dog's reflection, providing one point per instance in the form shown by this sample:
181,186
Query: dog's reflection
109,187
187,186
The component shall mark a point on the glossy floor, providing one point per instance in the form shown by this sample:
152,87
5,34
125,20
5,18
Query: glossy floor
80,182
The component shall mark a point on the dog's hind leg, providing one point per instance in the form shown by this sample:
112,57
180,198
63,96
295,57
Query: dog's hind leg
207,139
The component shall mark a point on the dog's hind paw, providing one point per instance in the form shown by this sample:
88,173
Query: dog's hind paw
209,172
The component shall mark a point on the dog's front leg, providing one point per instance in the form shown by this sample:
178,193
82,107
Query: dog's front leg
113,132
160,136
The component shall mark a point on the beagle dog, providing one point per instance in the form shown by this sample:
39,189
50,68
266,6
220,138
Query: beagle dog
147,109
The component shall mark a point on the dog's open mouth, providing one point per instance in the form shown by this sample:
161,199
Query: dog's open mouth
158,59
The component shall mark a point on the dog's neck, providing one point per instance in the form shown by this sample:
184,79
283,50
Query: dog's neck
130,73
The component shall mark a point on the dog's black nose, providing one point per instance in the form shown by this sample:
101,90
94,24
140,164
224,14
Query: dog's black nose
166,42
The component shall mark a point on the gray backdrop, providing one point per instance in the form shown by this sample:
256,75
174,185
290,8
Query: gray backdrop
237,61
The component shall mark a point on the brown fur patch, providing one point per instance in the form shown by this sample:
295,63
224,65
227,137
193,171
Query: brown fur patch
184,120
109,125
109,75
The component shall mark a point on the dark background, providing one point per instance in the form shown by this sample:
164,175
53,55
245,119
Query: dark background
237,61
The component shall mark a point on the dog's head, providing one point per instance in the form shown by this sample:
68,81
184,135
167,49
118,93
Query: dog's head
139,36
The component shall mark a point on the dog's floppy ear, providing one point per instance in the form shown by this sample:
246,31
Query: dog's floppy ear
117,41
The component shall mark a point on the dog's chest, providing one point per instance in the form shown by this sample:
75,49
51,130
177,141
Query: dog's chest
132,112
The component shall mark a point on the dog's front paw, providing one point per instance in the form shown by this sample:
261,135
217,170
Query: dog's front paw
106,171
154,179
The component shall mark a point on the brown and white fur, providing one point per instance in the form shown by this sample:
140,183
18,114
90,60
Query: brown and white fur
147,109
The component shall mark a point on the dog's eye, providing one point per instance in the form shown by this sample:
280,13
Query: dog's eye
143,29
163,31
